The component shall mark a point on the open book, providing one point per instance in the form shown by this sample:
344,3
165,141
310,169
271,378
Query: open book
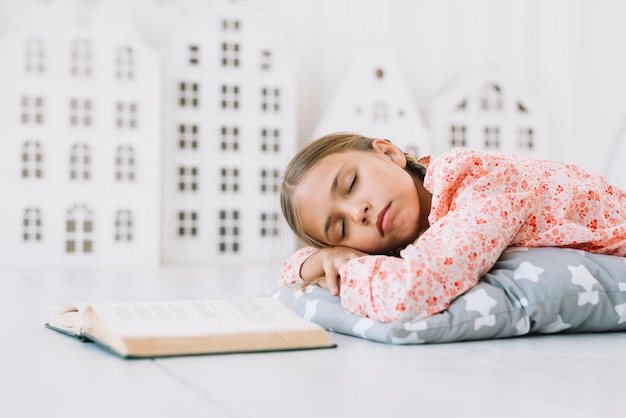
171,328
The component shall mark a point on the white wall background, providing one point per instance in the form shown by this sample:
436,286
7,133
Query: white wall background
569,55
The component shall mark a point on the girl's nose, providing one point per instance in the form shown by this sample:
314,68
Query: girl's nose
361,213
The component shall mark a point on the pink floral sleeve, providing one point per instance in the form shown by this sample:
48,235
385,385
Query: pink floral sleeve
290,272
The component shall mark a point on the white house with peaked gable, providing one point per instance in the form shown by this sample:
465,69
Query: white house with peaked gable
79,149
375,100
229,127
487,111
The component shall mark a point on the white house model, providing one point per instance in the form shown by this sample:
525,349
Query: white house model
79,148
487,112
374,99
229,126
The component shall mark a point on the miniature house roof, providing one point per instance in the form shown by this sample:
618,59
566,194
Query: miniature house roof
374,99
486,110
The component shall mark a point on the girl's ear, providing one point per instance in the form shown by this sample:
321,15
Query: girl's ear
392,152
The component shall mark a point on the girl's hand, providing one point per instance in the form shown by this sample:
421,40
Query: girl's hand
323,266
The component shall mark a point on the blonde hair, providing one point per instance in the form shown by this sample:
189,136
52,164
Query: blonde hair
308,157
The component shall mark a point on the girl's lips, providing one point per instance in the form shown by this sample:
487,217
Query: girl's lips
381,220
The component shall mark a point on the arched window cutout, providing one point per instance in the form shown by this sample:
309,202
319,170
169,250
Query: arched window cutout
462,105
80,162
491,98
125,63
32,225
526,138
79,229
228,231
124,225
32,160
34,57
125,163
81,58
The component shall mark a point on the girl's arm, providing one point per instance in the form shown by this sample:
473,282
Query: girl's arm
447,260
320,265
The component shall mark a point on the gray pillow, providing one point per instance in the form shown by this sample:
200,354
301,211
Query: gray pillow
529,290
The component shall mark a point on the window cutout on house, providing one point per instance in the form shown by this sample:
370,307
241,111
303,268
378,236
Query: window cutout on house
526,138
229,138
231,25
228,231
80,58
270,99
229,180
266,60
230,54
80,112
32,109
270,140
124,225
521,108
270,180
379,73
34,57
188,179
230,97
126,115
187,136
492,138
379,112
33,225
32,160
79,229
462,105
125,63
194,55
187,224
125,163
188,94
458,136
80,162
270,226
491,98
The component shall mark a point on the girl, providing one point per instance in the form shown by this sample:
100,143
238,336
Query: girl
397,239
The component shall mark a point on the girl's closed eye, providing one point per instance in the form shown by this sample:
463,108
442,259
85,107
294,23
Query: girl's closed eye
353,182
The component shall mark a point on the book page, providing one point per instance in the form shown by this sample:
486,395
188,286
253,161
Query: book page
199,317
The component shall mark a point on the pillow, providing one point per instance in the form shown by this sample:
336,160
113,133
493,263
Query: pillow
529,290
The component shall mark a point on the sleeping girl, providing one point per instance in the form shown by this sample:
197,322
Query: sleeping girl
398,238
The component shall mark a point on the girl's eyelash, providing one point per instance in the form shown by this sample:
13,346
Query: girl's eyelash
343,228
354,179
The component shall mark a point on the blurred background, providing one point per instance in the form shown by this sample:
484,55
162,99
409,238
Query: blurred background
177,158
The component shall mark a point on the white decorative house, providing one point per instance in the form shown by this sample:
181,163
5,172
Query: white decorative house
79,149
488,112
375,100
229,128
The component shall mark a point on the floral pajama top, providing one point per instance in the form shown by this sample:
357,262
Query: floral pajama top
482,203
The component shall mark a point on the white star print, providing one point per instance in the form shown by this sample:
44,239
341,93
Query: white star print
522,326
479,301
582,277
556,326
311,309
416,325
528,271
621,311
485,321
363,325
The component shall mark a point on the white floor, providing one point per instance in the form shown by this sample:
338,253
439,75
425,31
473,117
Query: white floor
46,374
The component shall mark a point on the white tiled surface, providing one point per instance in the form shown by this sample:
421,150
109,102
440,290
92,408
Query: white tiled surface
45,374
